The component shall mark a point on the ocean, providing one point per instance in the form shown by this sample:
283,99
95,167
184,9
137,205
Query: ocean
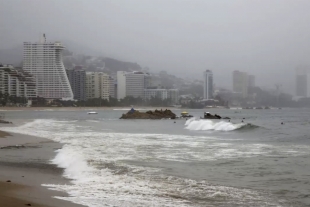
113,162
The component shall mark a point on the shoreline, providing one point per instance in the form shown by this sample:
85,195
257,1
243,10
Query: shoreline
25,162
2,109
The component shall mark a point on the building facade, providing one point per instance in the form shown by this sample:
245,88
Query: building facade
112,87
208,85
121,84
44,61
97,85
135,84
171,94
17,82
240,83
77,79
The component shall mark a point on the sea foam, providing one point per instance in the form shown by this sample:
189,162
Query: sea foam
203,125
94,161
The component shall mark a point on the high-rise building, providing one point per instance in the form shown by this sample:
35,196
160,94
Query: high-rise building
43,60
303,81
97,85
240,83
121,84
17,82
77,78
112,87
135,84
207,85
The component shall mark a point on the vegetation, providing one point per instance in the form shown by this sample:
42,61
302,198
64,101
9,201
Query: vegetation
6,99
98,102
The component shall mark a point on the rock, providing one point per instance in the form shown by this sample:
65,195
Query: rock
5,122
207,115
157,114
28,204
8,181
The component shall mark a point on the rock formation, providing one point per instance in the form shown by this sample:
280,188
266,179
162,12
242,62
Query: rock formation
157,114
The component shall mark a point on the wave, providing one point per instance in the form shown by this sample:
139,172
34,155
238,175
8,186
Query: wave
205,125
94,160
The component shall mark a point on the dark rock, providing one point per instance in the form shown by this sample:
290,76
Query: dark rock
8,181
157,114
28,204
207,115
5,122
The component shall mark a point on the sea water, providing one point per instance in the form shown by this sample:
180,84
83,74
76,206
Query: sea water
194,162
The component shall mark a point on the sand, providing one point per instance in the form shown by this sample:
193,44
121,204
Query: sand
24,160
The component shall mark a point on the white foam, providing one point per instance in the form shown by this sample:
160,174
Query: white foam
203,125
87,155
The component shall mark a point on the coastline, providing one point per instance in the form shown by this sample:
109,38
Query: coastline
6,108
24,161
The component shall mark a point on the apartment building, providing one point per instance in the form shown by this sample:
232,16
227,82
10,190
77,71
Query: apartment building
17,82
97,85
77,79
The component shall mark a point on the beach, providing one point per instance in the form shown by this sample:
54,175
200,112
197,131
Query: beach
24,167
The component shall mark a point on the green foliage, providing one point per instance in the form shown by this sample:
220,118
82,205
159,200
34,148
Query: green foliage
7,99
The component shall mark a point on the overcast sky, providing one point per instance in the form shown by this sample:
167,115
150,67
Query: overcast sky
267,38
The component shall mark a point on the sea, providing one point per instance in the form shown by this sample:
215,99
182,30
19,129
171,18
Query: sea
262,161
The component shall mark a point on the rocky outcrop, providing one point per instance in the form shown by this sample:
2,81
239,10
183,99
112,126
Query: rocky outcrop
5,122
157,114
215,116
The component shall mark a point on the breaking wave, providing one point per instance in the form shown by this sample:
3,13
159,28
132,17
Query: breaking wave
205,125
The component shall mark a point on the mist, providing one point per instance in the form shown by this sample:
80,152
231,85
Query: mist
268,39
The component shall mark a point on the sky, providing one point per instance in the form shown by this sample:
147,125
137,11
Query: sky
266,38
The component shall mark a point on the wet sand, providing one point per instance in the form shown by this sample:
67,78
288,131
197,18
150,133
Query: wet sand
24,161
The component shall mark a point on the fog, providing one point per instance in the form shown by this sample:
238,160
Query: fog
265,38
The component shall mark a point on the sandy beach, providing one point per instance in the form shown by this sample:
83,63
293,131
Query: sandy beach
24,167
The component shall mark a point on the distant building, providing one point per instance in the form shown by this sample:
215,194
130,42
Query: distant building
17,82
135,84
77,79
303,81
152,82
121,84
112,87
251,81
43,60
171,94
155,93
240,83
208,85
97,85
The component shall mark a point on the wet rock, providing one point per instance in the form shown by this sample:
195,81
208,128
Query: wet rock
5,122
157,114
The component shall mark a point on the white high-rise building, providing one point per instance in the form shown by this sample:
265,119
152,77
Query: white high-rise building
44,61
121,84
97,85
207,85
135,84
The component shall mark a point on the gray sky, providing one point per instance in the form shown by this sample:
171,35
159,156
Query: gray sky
267,38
